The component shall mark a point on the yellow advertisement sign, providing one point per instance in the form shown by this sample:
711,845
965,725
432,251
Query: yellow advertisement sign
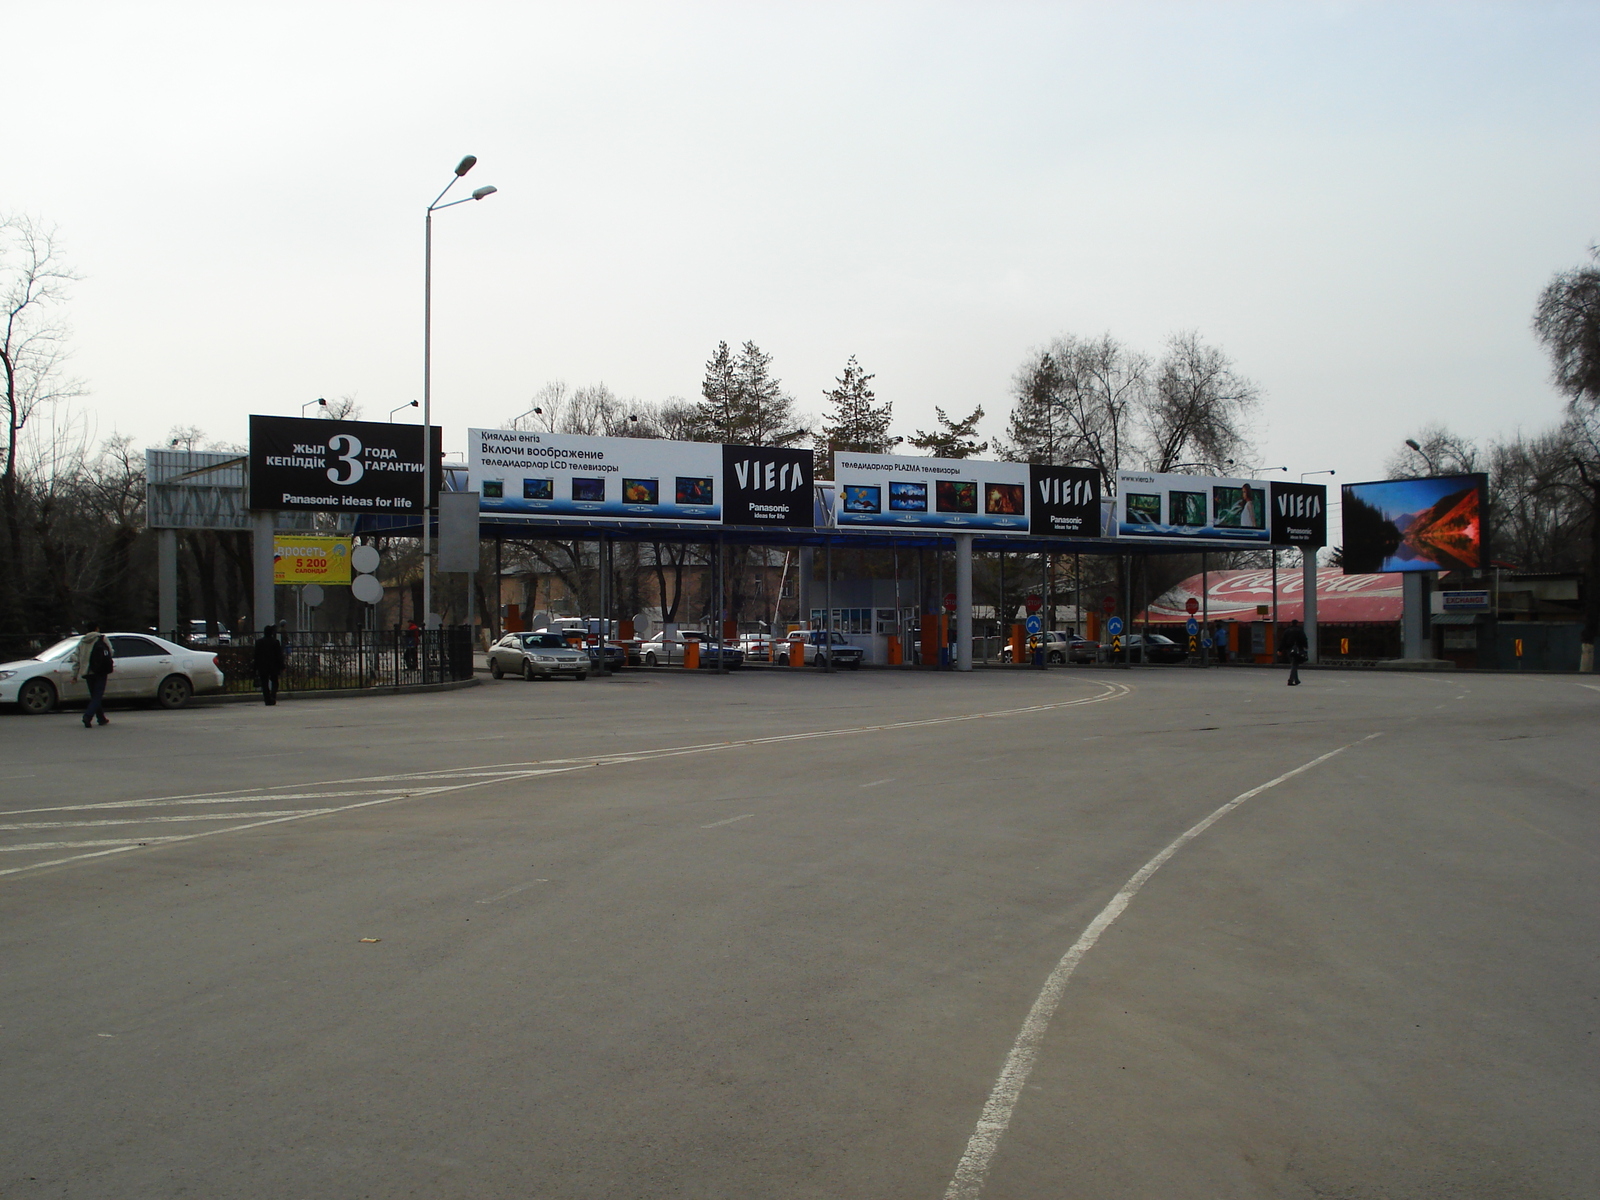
297,559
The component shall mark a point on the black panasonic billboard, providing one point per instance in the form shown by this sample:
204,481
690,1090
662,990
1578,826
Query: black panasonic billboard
1064,501
339,466
1299,514
766,485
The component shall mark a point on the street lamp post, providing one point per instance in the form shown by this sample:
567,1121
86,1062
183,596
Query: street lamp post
465,165
398,407
309,403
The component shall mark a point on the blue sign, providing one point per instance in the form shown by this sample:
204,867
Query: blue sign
1035,623
1206,641
1114,626
1193,627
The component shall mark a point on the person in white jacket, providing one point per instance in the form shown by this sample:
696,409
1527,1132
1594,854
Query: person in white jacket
93,662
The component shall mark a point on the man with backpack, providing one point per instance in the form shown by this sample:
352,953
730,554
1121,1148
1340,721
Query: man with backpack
93,662
268,663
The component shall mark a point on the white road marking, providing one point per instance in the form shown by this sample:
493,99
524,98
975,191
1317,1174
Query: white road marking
511,891
290,812
134,842
1590,686
876,782
481,775
996,1116
728,821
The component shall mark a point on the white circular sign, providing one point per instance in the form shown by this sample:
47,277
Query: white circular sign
366,588
311,594
364,559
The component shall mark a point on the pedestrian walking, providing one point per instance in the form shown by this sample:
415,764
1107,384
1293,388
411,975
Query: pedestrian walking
413,636
268,663
1297,648
93,662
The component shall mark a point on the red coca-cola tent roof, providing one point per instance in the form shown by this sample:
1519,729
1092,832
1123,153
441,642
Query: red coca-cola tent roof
1341,599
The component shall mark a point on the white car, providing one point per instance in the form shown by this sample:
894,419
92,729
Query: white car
537,656
147,668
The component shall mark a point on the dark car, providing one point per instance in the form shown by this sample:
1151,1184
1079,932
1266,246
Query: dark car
1153,648
616,656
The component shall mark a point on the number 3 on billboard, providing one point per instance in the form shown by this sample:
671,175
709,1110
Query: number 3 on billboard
348,447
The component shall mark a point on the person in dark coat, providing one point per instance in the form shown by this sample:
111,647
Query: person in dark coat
268,663
1297,648
92,662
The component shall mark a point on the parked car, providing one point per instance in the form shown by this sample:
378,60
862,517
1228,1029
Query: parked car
537,656
665,650
574,629
616,656
760,647
1154,648
819,649
198,635
1060,647
146,668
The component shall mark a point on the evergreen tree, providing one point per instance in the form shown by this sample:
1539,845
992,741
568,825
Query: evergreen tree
741,402
1035,426
857,422
952,439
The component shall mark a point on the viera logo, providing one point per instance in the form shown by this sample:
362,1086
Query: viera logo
757,476
1302,505
1055,490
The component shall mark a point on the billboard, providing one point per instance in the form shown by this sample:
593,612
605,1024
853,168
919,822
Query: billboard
766,485
1299,514
1432,524
299,463
562,476
1064,501
310,559
1160,507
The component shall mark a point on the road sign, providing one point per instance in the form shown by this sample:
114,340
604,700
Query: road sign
1116,645
1035,623
950,601
1191,606
1194,644
1033,604
1108,605
1114,626
1192,627
1206,641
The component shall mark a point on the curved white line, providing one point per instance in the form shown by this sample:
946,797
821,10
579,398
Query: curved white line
996,1116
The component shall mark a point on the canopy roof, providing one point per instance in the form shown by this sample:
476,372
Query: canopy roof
1341,599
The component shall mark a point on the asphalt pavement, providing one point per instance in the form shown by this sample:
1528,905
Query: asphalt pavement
785,934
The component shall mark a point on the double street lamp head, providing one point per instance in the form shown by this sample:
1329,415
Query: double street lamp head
480,193
466,164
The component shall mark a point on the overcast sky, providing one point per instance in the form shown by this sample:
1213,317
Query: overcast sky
1358,202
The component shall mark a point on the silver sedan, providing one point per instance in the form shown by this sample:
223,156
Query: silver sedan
536,656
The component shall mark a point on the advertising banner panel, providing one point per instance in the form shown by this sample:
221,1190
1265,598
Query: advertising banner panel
1432,524
299,463
886,490
1299,514
569,476
1202,508
766,485
310,559
1064,501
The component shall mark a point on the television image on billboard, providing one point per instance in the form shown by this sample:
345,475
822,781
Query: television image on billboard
908,497
1143,509
862,499
695,489
1242,507
1430,524
1188,508
589,490
1005,499
953,496
538,489
493,489
641,491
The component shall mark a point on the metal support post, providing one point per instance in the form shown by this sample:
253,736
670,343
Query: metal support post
264,607
1309,592
963,602
166,581
827,611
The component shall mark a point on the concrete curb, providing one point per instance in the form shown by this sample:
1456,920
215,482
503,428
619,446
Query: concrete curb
404,689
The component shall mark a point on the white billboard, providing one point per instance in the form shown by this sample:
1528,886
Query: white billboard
561,475
1159,507
886,490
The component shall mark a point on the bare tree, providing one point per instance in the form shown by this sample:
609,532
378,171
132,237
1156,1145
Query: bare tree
1434,450
34,280
1200,406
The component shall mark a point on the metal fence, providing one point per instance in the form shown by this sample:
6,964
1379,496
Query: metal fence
326,660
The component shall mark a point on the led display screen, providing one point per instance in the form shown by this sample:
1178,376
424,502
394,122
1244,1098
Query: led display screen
1433,524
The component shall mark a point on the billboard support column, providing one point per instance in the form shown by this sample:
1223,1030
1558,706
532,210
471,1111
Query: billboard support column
167,581
963,602
1309,591
1205,609
827,605
803,572
1413,630
264,609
